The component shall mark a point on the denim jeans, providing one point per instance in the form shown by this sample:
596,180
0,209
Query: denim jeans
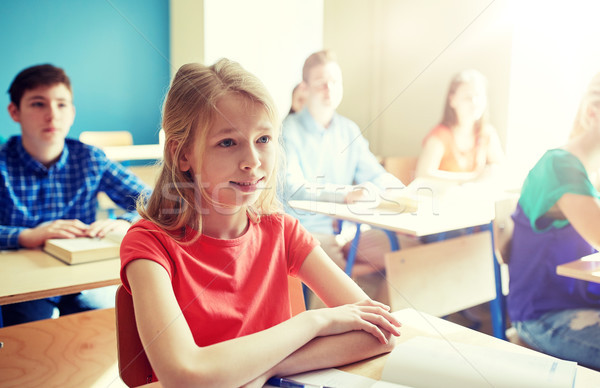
34,310
568,334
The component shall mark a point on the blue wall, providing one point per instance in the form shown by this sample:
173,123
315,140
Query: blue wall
115,52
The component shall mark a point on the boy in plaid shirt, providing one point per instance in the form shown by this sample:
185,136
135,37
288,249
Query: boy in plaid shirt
49,184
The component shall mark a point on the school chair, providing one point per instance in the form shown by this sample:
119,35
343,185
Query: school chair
504,226
503,230
102,139
134,367
402,167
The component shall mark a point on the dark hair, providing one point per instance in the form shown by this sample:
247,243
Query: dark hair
34,76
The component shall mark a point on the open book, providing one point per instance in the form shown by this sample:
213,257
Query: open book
84,249
425,362
430,362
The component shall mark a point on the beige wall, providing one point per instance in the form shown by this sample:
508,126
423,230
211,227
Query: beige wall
270,38
555,54
187,32
399,55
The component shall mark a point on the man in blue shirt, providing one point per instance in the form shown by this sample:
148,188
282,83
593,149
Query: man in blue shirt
328,159
49,184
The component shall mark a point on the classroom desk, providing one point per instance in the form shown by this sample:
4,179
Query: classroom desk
77,350
421,223
134,152
586,268
415,323
430,218
35,354
29,274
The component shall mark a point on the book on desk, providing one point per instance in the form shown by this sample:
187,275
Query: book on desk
432,362
84,249
426,362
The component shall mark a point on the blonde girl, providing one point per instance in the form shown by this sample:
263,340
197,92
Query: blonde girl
207,266
463,143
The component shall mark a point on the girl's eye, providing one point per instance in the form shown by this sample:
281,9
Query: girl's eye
226,143
264,139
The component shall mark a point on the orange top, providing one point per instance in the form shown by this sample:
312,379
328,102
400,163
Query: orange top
455,160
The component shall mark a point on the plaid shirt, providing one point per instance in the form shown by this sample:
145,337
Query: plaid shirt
31,194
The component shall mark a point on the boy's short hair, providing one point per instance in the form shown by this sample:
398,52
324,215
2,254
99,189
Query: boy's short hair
34,76
319,58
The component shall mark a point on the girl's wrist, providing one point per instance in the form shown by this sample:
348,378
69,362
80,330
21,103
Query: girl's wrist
313,321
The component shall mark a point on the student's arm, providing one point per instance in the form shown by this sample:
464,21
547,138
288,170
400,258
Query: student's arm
35,237
429,164
178,362
101,228
583,212
9,237
368,169
123,188
335,288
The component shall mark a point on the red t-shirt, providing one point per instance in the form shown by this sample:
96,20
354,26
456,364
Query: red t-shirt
455,160
227,288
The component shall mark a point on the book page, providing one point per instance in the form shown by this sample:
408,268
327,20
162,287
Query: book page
115,236
424,362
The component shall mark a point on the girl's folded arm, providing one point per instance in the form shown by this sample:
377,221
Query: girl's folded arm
179,362
335,288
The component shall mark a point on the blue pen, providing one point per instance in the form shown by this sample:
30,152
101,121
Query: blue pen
287,383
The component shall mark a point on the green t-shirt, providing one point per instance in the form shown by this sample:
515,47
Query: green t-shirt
558,172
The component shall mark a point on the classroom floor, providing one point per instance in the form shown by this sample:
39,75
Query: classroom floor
476,318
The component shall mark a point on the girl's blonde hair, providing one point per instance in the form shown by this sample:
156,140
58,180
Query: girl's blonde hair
591,97
188,113
471,76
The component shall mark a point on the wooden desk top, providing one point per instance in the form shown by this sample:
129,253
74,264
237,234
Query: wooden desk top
586,268
29,274
134,152
427,220
415,323
34,354
78,350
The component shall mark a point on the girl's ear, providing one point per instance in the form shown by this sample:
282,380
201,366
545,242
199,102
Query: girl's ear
182,162
592,116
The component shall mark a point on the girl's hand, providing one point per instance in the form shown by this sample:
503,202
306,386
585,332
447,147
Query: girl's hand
368,315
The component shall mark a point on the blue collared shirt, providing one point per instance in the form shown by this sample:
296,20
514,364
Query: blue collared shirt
322,163
32,194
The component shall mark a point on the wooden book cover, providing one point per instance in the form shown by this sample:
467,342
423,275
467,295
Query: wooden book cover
84,249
